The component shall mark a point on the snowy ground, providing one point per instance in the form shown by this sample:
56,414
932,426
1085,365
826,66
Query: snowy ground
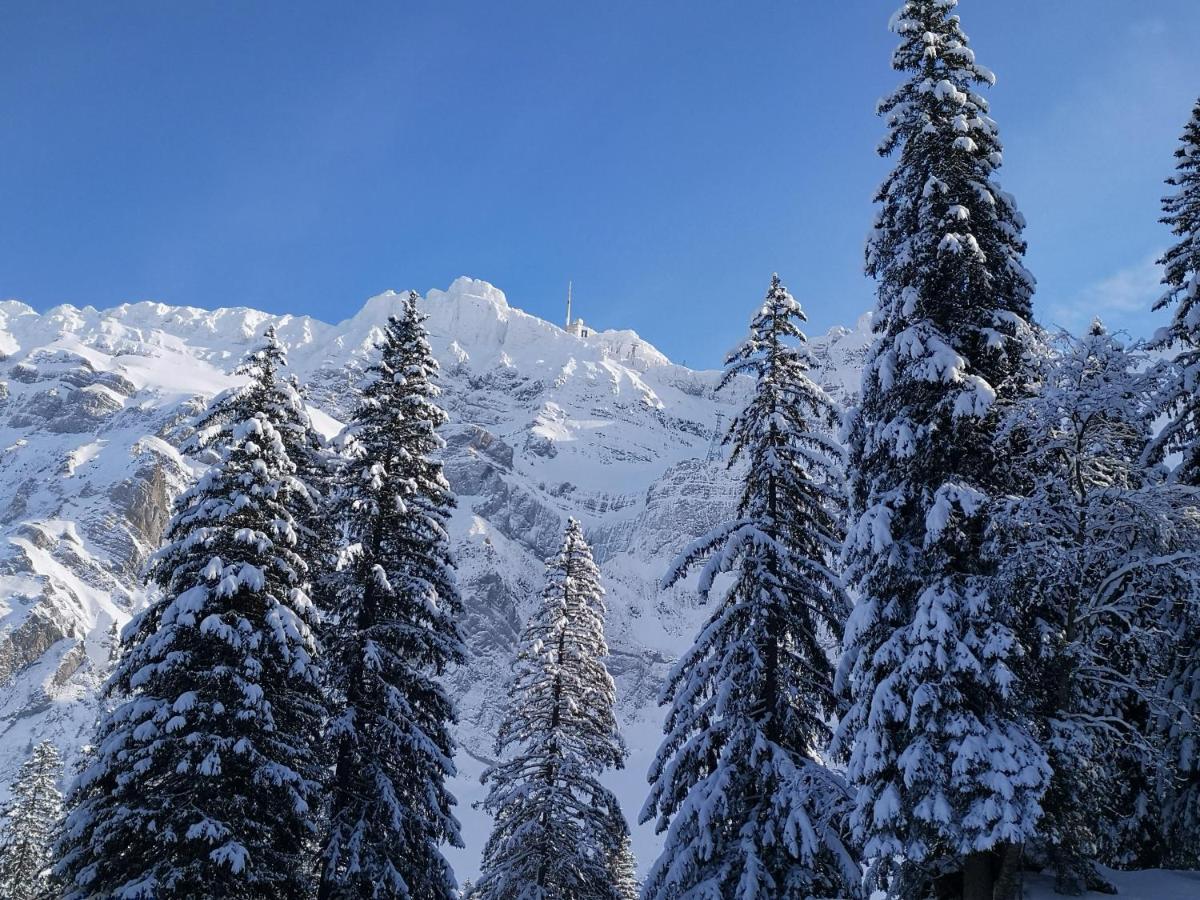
1151,884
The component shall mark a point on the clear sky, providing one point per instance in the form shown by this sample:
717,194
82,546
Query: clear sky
301,156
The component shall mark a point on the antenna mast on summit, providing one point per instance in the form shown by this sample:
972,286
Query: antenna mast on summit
574,326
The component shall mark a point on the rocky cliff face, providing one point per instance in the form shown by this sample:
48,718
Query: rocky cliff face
544,425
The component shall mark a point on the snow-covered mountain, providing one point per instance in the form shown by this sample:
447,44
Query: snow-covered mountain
545,425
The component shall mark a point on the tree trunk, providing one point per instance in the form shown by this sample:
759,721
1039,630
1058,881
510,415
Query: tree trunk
977,877
1008,882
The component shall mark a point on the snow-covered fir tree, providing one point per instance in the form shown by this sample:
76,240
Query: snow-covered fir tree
30,822
949,773
204,778
739,784
1096,552
1181,276
1179,442
393,636
278,395
558,833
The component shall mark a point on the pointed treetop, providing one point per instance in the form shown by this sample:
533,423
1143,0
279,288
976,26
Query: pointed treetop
266,358
411,310
934,39
777,320
404,343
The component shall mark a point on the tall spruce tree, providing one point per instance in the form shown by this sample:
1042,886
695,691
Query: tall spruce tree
948,771
559,834
30,822
1179,441
1099,549
394,635
203,781
739,785
279,396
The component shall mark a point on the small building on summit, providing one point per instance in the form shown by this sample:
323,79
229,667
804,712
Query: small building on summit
575,326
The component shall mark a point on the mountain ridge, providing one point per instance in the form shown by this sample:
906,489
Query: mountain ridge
94,405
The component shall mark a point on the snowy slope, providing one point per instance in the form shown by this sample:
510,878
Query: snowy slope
545,425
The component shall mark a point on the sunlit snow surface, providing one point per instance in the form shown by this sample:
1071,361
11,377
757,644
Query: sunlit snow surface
544,425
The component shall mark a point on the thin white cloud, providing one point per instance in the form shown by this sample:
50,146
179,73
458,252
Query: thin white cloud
1124,299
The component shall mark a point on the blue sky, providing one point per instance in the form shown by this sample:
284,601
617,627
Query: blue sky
668,156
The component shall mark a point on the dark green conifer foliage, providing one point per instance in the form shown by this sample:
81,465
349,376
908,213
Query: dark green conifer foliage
394,634
937,736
